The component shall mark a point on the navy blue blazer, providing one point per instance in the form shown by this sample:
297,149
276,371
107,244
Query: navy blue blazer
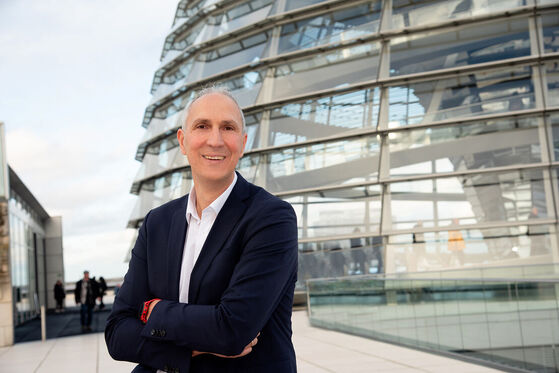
242,284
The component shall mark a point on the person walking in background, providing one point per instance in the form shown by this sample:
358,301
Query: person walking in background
102,291
85,293
59,295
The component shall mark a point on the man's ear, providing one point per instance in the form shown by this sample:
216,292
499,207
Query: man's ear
180,137
244,144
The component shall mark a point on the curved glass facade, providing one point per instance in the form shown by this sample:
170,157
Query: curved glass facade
408,135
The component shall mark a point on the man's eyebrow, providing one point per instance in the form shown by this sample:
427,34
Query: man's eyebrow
201,120
230,122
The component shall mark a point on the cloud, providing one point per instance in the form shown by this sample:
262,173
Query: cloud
86,185
103,254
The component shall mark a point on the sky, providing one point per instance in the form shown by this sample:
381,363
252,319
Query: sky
75,79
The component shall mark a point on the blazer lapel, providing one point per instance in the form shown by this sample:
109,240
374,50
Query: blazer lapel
175,248
226,220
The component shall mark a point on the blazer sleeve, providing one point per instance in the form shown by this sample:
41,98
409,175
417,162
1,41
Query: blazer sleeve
266,269
123,333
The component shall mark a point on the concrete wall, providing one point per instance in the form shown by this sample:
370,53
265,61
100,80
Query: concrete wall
6,306
54,252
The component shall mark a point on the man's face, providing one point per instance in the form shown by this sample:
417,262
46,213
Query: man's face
213,139
86,276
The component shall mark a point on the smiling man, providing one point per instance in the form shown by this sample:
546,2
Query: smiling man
210,284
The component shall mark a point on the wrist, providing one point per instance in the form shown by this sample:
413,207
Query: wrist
146,310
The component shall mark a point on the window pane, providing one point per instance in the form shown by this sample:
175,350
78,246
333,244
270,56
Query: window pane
338,212
550,23
552,75
341,25
553,120
466,46
471,199
478,145
331,163
458,247
466,96
281,7
323,117
409,13
325,71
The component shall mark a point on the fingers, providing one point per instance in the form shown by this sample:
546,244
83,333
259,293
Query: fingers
247,350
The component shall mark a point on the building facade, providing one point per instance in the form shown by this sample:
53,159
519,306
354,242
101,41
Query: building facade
409,136
31,253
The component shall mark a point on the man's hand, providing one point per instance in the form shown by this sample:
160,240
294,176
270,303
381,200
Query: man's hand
247,350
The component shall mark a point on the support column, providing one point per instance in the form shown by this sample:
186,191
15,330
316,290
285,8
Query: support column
545,134
6,303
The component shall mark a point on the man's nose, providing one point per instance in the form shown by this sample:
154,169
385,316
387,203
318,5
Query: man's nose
215,138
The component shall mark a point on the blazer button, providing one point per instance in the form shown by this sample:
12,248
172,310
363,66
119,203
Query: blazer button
152,332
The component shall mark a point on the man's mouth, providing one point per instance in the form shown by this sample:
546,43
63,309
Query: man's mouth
214,157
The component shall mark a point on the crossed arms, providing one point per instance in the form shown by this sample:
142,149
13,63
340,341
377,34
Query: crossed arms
266,247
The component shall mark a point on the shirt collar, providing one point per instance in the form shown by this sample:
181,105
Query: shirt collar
215,206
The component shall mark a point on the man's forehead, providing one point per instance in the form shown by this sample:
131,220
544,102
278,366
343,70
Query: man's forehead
205,107
213,98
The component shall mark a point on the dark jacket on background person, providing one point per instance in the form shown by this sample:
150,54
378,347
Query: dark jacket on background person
102,286
92,292
59,293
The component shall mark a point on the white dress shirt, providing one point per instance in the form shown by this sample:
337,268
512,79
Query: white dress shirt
196,234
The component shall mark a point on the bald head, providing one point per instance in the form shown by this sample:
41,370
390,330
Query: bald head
183,118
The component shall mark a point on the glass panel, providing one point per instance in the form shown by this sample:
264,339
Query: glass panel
409,13
478,145
191,8
469,199
174,106
158,127
458,247
324,117
552,77
246,87
507,321
252,124
330,163
466,96
187,39
340,25
550,24
553,120
352,211
463,46
230,56
338,258
326,71
163,145
155,192
288,5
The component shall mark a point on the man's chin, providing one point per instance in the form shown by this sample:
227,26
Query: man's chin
217,178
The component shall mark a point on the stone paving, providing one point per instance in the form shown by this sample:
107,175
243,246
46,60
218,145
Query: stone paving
318,351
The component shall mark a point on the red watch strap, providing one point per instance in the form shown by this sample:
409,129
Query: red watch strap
144,315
